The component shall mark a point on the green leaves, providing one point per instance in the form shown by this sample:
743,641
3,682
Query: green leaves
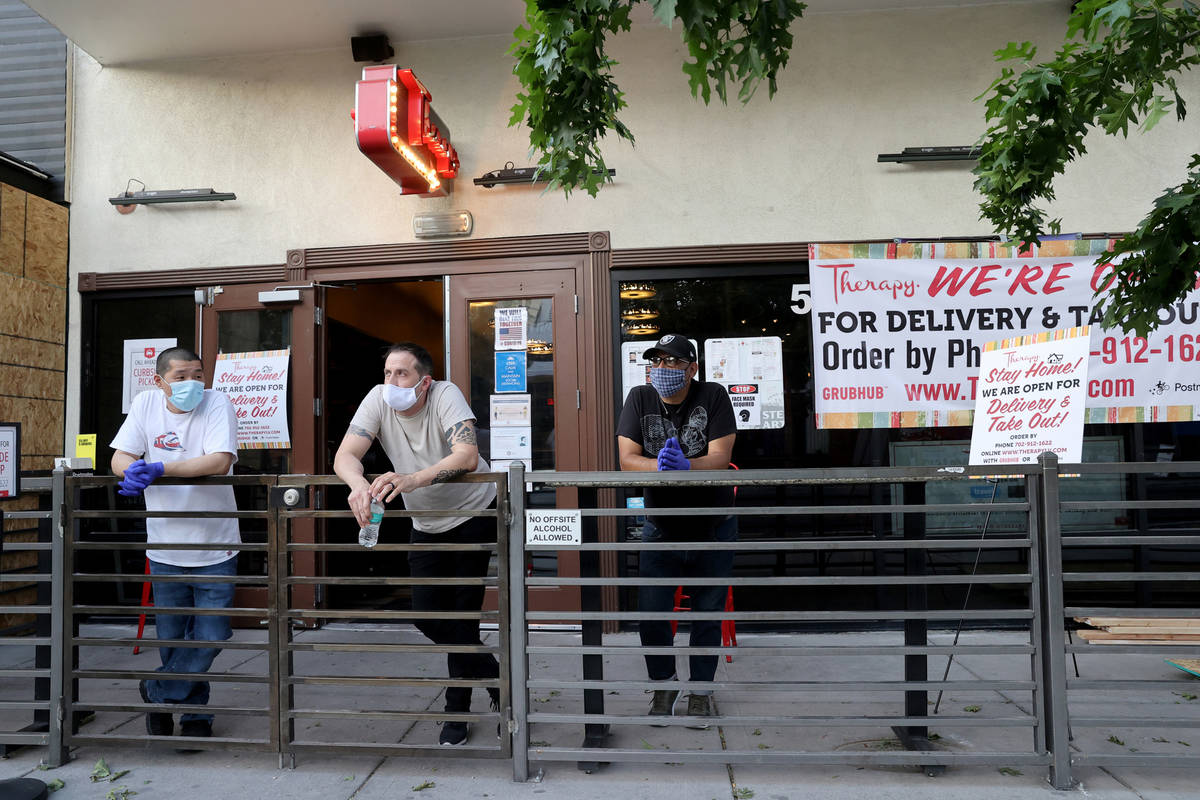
570,100
1118,69
1161,258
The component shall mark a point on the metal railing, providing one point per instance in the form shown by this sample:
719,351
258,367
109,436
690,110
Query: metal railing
773,703
281,679
878,689
39,688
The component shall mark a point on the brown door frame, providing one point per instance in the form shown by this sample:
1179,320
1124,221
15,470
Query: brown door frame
559,285
301,419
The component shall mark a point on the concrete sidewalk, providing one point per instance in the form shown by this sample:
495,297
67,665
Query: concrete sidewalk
159,772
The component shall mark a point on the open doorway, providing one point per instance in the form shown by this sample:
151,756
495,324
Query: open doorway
361,321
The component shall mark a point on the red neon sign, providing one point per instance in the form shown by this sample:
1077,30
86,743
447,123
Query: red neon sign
397,129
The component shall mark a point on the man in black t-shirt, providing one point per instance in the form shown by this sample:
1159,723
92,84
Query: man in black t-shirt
679,423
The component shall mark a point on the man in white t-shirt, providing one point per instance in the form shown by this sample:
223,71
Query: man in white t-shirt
427,430
183,431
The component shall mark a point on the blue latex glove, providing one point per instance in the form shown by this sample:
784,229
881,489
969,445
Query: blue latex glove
145,472
138,476
671,457
130,487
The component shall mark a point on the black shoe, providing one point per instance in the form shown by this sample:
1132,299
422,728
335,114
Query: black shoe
453,733
663,704
200,728
699,706
158,723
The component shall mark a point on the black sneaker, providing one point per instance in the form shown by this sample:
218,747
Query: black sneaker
699,706
200,728
453,733
158,723
663,704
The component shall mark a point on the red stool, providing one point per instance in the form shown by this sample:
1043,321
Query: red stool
728,626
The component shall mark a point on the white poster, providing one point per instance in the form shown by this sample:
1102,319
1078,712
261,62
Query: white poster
635,370
256,384
511,328
511,411
751,370
897,341
138,357
1030,399
512,444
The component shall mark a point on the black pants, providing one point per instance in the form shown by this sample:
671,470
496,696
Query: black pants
457,564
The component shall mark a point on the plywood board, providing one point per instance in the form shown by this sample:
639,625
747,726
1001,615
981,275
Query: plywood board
44,384
1105,636
46,227
32,310
12,230
41,429
32,353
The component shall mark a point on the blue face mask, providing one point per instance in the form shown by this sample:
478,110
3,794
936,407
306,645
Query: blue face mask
667,382
186,395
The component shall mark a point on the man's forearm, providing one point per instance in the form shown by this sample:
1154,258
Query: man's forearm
449,468
200,466
349,469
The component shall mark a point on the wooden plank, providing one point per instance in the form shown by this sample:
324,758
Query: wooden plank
1191,665
1105,636
1101,622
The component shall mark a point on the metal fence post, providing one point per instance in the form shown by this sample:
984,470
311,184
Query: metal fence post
56,752
518,627
1053,632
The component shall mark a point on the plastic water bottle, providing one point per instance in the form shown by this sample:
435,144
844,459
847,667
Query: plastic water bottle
368,535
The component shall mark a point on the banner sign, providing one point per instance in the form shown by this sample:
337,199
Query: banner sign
1030,398
898,330
257,386
138,357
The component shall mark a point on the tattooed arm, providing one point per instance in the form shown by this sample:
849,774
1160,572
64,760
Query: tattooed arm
463,458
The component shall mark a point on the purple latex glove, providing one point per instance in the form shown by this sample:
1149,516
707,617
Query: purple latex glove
130,486
671,458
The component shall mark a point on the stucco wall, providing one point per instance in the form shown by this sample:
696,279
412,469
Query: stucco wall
277,131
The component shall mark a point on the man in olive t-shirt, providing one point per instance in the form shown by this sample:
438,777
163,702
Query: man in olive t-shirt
427,430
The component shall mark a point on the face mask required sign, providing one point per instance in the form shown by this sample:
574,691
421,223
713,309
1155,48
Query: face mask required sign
897,341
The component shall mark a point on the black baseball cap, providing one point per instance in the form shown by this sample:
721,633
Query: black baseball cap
673,344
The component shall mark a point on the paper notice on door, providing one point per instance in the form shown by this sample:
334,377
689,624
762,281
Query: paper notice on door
138,358
510,444
511,328
510,411
751,370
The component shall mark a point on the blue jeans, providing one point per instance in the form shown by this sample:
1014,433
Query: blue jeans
190,627
684,564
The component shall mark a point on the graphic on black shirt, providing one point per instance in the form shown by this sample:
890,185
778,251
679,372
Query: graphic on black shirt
693,439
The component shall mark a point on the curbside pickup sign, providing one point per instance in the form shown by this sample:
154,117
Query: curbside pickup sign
553,528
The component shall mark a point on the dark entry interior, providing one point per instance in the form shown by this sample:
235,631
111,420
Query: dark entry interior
362,320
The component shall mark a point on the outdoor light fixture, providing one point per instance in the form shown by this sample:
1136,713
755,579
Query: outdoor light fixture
637,291
639,313
513,174
127,200
453,223
641,329
964,152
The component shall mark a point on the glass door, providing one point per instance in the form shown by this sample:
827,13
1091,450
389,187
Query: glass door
234,321
513,353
